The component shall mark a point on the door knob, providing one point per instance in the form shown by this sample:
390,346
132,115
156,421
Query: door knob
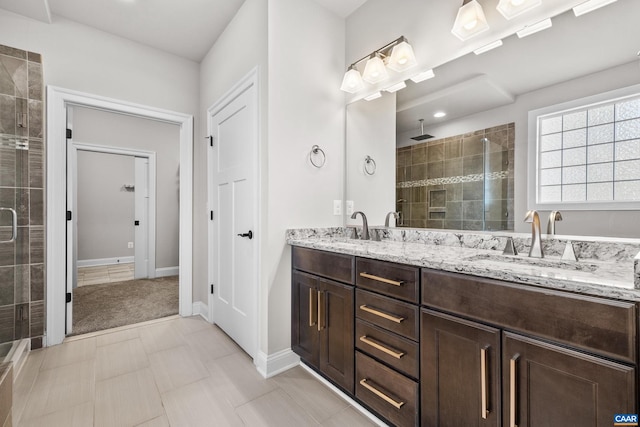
248,234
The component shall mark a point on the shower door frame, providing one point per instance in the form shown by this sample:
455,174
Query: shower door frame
57,101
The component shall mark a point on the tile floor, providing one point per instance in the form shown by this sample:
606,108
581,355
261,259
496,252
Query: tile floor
171,372
105,274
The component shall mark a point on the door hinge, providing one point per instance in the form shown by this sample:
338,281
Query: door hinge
212,289
69,133
136,222
210,138
211,215
68,296
68,215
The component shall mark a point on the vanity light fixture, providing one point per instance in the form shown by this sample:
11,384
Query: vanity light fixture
590,6
439,114
374,70
422,76
373,96
512,8
488,47
397,56
534,28
352,81
402,57
396,87
470,20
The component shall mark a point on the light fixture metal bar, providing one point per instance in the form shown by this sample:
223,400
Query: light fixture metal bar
384,51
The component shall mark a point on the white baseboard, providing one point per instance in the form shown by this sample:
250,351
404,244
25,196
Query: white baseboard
345,397
273,364
105,261
167,271
201,309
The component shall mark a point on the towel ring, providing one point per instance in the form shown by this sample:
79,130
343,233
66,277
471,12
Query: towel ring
369,165
315,150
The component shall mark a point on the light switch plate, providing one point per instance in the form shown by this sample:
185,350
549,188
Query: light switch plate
130,245
337,207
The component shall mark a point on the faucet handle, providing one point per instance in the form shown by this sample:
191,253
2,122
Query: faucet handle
510,247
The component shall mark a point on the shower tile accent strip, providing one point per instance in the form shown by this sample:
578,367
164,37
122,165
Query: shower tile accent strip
22,187
475,189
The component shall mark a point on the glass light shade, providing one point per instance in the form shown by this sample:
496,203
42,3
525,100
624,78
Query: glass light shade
396,87
375,71
470,21
402,57
532,29
422,76
512,8
352,81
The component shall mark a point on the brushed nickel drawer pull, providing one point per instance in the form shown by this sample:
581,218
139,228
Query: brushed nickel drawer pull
391,352
381,395
381,314
512,391
484,411
312,320
381,279
320,314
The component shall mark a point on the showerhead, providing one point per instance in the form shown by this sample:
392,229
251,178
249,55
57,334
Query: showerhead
422,135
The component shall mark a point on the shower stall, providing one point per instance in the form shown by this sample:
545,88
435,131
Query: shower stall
22,267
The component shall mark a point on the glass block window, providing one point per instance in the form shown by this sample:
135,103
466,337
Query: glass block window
590,154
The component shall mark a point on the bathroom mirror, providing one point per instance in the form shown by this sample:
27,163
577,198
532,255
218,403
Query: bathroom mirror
490,93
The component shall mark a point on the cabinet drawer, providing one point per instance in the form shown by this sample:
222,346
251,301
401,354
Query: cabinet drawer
390,314
387,392
400,281
399,353
594,324
326,264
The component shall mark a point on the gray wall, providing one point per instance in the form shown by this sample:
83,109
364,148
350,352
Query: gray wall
590,223
105,210
117,130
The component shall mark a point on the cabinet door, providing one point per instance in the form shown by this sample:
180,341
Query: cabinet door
460,372
304,317
335,315
547,385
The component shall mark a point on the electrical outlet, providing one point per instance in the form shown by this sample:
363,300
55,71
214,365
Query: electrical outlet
130,245
350,208
337,207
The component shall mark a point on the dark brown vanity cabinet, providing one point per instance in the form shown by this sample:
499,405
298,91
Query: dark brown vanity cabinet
387,334
322,324
460,376
550,358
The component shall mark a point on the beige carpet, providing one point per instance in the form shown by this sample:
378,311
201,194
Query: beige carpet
110,305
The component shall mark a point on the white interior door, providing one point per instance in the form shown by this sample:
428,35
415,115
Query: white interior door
233,200
141,225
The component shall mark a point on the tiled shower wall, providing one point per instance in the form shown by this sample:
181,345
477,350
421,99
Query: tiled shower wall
22,266
462,182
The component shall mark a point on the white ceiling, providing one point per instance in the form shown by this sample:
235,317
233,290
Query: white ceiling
187,28
342,8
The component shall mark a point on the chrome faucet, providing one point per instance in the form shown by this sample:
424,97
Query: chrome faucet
551,225
365,226
536,242
386,220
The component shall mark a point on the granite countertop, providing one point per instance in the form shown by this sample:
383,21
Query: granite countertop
611,278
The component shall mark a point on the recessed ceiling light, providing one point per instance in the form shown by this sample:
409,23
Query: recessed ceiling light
439,114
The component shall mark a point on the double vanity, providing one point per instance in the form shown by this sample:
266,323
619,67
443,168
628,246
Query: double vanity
438,328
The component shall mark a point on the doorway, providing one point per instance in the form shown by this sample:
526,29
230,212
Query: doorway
57,102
